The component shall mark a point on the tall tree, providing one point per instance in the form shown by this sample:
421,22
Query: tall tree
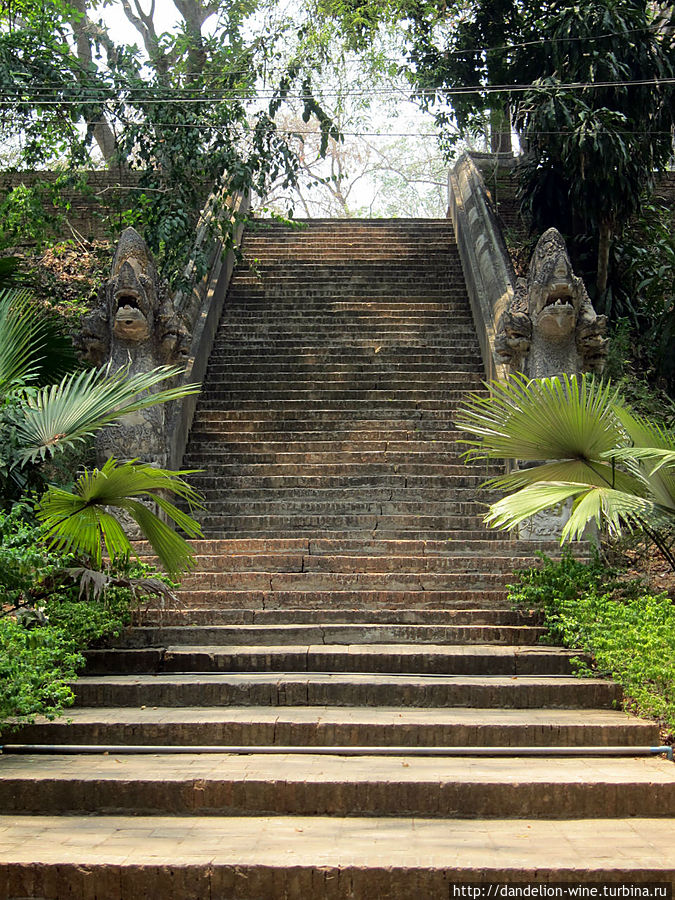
195,104
598,120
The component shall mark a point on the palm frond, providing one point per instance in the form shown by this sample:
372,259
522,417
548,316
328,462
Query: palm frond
82,521
618,511
578,471
510,511
646,435
22,340
547,418
660,456
81,403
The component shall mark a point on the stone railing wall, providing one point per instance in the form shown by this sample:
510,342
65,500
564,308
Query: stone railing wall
203,307
488,273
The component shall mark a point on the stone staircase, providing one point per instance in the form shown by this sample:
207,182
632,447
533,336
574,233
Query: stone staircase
347,617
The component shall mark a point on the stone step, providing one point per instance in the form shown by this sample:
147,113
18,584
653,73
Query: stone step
346,579
363,499
347,633
215,431
365,380
286,561
326,322
244,302
360,599
337,725
233,347
457,484
250,857
331,446
291,405
413,526
439,356
292,368
183,614
192,785
430,659
349,502
433,456
288,689
240,528
225,468
488,543
342,414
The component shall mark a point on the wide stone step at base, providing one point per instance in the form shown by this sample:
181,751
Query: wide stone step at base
350,726
250,857
343,689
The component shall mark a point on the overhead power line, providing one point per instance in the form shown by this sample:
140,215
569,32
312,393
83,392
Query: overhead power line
269,95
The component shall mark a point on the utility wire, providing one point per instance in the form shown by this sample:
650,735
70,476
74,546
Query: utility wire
430,92
474,50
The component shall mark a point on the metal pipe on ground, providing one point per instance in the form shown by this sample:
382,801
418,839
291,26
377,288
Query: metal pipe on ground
273,750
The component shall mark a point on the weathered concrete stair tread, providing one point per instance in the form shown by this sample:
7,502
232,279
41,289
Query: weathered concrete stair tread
344,599
345,689
441,659
340,633
193,614
337,786
323,616
333,725
346,544
323,581
284,561
319,857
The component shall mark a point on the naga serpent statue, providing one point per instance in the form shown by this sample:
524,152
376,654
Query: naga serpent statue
134,325
550,327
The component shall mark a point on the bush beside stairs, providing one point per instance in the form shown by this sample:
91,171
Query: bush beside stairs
346,595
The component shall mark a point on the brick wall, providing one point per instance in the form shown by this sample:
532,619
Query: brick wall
95,212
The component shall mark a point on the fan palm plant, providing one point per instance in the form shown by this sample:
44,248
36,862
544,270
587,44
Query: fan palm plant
617,468
82,519
39,422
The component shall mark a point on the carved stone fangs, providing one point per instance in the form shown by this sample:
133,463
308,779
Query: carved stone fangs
551,328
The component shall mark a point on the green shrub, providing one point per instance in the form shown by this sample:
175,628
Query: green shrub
46,621
629,631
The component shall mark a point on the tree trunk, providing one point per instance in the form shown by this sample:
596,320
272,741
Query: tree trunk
604,243
82,26
500,130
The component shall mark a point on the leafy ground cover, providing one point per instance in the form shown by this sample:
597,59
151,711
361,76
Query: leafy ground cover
627,628
49,615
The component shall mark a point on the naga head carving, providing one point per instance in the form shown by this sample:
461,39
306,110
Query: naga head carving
550,326
132,289
133,318
555,293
